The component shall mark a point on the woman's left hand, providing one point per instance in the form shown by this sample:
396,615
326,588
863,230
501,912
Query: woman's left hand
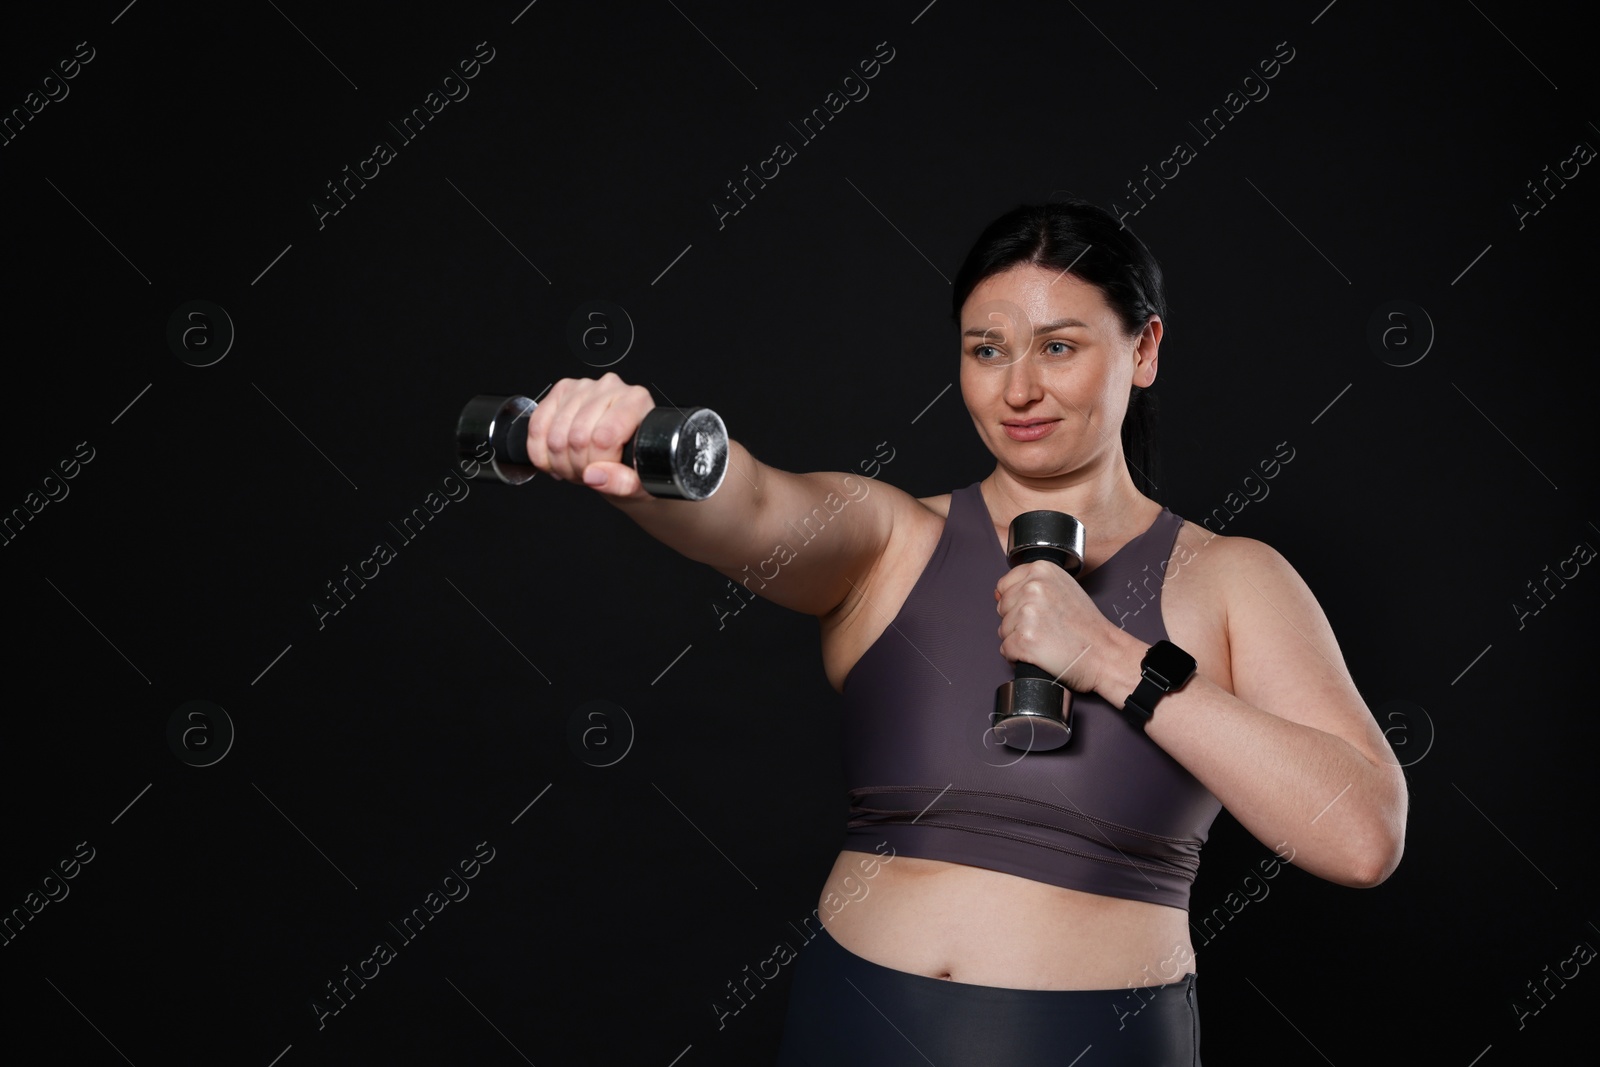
1046,619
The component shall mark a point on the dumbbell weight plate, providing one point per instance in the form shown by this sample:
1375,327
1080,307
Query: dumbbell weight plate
502,423
681,452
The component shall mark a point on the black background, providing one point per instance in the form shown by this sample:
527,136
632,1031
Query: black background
376,751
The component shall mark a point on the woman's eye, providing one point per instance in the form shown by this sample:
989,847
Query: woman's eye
981,349
1058,348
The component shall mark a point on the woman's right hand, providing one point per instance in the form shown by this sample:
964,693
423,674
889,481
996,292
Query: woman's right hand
577,432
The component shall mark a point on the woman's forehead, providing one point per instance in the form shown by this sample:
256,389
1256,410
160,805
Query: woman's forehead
1032,296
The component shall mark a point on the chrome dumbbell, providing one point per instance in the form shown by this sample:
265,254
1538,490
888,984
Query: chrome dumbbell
677,452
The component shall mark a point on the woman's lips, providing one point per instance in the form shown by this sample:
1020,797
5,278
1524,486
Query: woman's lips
1031,432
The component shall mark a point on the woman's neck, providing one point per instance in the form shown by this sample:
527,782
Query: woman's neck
1108,504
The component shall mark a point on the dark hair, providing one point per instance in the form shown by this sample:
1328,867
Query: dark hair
1087,239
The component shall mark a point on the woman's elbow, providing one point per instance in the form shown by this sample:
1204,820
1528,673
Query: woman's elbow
1377,854
1373,866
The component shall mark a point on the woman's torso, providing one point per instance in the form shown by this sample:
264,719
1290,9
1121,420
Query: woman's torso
940,919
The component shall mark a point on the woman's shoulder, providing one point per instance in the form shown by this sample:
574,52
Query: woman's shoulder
1222,556
1244,580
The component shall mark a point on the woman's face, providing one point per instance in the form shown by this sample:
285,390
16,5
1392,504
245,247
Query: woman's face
1046,370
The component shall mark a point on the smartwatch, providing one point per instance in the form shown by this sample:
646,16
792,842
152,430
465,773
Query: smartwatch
1165,667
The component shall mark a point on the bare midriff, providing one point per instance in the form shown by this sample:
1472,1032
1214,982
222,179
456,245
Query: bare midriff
983,927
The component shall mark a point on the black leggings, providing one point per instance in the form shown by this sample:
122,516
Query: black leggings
844,1009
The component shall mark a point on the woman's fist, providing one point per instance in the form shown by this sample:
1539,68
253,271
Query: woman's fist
577,432
1048,620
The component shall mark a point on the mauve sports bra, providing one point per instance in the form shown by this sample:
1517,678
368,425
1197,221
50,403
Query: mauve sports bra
1110,813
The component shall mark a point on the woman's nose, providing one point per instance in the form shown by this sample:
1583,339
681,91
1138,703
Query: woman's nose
1022,382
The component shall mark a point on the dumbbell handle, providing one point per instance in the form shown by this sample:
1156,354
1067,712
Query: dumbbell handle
515,444
677,452
1069,559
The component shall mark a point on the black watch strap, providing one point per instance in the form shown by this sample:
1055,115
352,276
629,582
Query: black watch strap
1165,667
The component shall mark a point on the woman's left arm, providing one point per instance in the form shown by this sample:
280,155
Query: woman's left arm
1293,752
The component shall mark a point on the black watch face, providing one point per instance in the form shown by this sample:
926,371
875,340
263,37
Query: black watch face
1171,664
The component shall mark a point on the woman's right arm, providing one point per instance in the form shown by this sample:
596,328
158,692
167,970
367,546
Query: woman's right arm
800,540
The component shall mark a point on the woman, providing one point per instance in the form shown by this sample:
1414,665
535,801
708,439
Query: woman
994,904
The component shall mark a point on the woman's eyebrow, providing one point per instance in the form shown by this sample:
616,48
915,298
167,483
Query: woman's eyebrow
1047,327
1059,324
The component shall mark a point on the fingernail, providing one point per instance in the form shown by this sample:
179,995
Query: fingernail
594,476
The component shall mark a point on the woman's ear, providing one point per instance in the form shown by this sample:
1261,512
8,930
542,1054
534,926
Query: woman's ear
1145,352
